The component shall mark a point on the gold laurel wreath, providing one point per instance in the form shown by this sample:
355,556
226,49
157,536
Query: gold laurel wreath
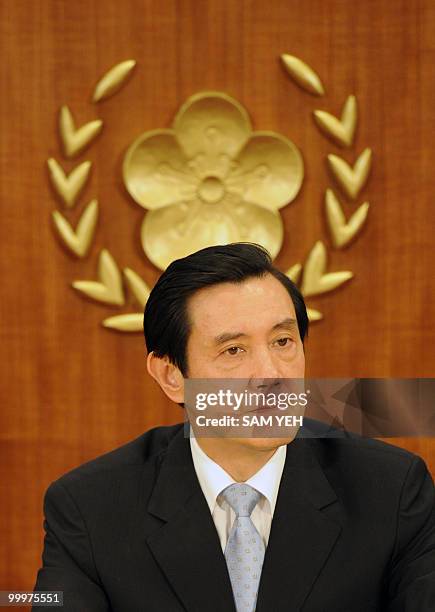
312,276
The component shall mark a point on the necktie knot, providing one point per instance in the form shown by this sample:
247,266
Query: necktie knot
242,498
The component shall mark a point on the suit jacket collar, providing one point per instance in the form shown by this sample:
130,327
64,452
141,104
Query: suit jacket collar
188,550
305,528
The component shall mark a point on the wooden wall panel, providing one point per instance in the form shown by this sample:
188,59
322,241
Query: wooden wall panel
71,390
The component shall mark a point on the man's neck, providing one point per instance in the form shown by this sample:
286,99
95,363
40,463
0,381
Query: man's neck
237,460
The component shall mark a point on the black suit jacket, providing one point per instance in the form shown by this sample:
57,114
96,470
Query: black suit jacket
353,531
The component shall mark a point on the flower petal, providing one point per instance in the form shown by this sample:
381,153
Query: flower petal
155,170
260,225
269,171
212,122
180,229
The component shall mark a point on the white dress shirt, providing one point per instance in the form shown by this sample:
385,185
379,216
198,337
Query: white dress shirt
213,479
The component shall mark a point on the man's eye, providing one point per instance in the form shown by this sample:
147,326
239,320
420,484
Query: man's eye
233,350
284,341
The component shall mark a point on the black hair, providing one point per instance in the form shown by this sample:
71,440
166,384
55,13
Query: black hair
166,320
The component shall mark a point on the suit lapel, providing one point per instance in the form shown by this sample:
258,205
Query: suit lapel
187,547
304,530
302,534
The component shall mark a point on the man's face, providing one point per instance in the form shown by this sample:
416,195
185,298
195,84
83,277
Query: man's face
247,331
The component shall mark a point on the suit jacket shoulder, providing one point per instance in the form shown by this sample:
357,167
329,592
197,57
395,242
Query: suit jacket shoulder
353,458
137,452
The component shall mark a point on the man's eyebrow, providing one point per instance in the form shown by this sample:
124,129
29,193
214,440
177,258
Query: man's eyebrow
227,336
288,323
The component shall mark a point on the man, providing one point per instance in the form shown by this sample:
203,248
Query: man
169,523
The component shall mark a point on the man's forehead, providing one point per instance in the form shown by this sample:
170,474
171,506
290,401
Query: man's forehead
234,308
266,289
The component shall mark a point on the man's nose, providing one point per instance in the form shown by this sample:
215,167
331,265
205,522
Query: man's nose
266,385
264,369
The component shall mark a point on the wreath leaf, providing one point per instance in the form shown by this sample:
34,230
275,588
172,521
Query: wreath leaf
78,241
75,140
108,288
315,279
132,322
302,74
138,286
351,179
294,273
113,80
314,315
341,130
342,231
68,186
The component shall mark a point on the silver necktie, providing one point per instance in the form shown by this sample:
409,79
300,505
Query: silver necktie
244,552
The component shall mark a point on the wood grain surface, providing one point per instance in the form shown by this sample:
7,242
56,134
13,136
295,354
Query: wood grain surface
72,390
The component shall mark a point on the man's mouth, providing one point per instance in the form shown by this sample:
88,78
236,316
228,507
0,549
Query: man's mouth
261,409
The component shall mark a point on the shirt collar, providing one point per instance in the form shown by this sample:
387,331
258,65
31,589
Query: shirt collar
213,479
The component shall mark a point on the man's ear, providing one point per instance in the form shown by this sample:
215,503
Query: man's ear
168,376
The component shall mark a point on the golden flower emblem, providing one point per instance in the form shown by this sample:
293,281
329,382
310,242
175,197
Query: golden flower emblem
211,180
